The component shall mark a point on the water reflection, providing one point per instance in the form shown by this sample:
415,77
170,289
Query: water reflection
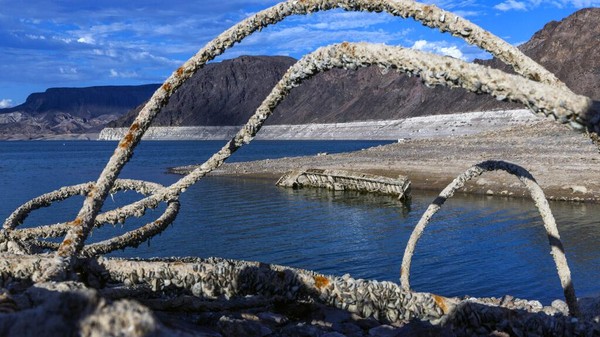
478,246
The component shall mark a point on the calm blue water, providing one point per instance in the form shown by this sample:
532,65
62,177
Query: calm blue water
478,246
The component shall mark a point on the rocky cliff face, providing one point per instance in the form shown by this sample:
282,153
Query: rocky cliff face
571,49
229,92
70,110
224,93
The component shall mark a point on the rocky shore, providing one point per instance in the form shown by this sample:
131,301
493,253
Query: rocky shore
219,297
565,163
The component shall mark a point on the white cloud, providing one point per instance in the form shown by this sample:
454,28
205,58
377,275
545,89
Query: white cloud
303,34
107,52
5,103
452,4
452,51
147,56
301,40
35,37
439,47
525,5
419,45
467,14
511,5
123,74
63,39
88,39
579,3
68,70
346,20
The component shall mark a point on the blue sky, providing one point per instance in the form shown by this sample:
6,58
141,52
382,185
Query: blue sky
79,43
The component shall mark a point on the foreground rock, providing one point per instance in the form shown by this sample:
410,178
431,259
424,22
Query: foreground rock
218,297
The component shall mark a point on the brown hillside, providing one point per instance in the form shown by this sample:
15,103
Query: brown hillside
227,93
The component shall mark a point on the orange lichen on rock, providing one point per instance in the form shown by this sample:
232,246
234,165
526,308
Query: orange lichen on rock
441,303
321,281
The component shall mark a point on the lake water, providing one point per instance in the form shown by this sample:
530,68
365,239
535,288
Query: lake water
478,246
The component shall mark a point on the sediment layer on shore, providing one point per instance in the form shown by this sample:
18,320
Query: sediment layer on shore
413,128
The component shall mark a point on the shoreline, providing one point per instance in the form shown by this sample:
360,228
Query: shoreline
424,184
52,137
433,150
566,164
422,127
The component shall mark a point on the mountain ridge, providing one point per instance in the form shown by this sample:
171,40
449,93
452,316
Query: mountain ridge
71,110
228,92
565,47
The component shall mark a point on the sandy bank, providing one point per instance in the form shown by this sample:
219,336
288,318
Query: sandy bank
565,163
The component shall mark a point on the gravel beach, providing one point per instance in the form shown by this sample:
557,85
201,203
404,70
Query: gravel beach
565,163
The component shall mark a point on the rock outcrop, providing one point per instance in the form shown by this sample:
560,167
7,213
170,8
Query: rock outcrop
70,110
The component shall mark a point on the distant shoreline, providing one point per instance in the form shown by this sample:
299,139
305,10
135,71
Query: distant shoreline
565,163
408,128
423,127
64,137
430,150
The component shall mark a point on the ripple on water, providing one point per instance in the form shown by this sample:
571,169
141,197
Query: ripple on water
479,246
